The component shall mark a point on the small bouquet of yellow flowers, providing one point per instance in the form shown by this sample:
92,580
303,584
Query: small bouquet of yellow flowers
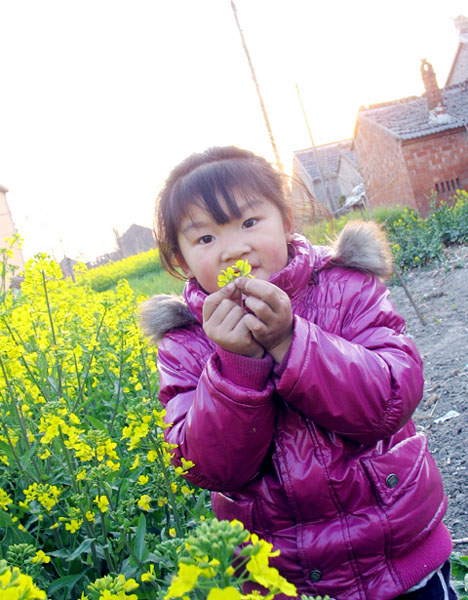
241,268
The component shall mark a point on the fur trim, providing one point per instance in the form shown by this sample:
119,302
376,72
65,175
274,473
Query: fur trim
159,314
363,245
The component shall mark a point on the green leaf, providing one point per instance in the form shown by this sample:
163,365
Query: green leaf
6,449
65,582
85,546
96,423
139,543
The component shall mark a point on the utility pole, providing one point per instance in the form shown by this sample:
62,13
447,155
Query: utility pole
323,180
257,87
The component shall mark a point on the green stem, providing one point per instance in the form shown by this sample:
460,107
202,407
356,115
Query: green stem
146,374
119,388
70,467
54,338
19,416
28,475
170,493
88,367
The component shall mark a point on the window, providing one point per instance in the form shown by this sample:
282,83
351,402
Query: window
448,185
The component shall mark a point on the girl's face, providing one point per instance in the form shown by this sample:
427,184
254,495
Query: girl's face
259,235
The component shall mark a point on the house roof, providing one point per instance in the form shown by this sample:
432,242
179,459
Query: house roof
328,155
411,118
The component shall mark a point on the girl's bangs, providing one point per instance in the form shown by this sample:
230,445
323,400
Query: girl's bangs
206,186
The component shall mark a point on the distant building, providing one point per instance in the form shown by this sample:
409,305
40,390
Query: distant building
411,148
7,229
329,172
135,240
404,151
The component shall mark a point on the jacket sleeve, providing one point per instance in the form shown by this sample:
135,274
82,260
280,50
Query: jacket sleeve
363,381
219,407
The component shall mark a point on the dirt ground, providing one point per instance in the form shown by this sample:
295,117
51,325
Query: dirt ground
441,294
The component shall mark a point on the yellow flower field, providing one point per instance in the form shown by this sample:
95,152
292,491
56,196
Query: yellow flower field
90,505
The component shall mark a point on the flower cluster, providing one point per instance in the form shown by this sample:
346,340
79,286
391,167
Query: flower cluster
15,585
241,268
208,565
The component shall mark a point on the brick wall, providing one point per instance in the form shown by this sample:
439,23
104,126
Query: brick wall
382,166
438,162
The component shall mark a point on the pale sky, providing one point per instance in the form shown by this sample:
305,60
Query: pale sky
99,99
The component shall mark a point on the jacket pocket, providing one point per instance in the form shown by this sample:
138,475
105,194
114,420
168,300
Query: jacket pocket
408,468
409,491
226,508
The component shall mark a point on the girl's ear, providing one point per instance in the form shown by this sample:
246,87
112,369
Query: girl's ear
180,262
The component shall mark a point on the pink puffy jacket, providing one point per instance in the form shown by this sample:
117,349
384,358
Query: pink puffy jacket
317,455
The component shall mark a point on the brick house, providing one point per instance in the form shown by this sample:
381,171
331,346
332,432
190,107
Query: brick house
411,148
405,150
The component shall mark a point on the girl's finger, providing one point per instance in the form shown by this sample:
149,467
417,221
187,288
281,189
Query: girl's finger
261,309
213,300
264,290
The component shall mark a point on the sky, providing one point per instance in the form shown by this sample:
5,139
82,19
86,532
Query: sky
100,99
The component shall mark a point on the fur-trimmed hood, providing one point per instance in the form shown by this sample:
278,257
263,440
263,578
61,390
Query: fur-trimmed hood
361,245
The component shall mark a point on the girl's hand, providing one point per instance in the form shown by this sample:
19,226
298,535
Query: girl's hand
271,323
224,323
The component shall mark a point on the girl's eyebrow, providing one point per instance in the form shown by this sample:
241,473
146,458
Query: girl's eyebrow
242,206
194,225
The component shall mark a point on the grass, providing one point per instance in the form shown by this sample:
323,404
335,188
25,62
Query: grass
158,282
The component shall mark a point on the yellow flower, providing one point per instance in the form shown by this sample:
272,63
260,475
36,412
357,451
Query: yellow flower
40,557
5,499
186,465
74,525
151,456
227,593
184,581
240,269
14,585
172,532
142,480
102,503
90,516
149,575
81,475
144,502
136,462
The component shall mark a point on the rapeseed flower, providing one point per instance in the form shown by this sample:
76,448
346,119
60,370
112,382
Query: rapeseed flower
144,502
5,499
40,558
241,268
102,503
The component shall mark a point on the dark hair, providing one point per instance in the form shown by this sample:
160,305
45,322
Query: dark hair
203,179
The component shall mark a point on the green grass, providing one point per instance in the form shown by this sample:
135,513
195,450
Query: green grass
158,282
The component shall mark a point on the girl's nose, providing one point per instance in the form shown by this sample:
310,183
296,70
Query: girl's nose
234,249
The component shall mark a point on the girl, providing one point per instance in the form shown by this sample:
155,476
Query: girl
292,393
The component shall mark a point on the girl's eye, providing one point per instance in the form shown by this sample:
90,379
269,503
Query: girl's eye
205,239
249,223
